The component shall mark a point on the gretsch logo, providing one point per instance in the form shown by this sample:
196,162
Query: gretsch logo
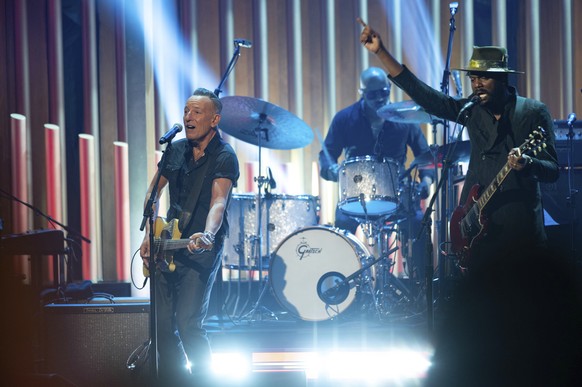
303,249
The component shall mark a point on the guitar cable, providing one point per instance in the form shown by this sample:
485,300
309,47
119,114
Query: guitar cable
145,281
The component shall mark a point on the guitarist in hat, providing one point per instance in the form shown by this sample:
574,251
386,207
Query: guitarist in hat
200,171
510,216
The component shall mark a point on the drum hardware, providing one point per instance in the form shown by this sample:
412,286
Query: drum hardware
455,152
266,125
337,293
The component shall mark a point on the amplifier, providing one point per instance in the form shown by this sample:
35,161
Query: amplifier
89,344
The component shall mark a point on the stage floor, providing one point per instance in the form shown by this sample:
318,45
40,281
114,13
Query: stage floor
366,345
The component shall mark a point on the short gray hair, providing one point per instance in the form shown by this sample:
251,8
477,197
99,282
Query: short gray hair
201,91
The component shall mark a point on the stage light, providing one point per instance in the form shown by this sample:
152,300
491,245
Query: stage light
231,365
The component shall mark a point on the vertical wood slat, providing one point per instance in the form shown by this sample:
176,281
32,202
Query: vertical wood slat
54,184
21,183
54,181
567,48
122,239
21,66
56,93
89,215
533,50
499,27
91,125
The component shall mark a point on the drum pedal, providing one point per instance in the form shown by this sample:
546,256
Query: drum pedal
397,290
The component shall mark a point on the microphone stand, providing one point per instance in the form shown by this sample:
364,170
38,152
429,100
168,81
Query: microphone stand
426,221
229,69
571,199
51,220
148,216
217,91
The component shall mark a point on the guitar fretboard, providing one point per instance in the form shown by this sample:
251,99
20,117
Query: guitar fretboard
170,244
492,188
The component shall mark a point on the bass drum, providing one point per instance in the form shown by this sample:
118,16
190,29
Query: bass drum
307,266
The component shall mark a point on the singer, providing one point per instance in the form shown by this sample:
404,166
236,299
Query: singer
496,125
485,326
200,172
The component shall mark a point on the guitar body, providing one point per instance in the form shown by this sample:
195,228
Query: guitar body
468,223
165,231
166,239
467,227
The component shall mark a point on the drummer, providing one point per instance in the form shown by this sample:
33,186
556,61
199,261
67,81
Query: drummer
358,130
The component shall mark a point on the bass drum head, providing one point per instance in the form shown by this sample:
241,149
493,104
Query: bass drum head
307,259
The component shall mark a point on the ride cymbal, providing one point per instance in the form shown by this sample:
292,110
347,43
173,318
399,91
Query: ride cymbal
405,112
262,123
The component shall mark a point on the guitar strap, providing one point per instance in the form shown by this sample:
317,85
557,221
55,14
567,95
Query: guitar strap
188,208
517,116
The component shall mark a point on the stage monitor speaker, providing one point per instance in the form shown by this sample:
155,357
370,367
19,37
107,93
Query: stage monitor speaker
89,344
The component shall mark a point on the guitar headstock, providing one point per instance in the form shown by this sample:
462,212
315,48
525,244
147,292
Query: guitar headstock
535,142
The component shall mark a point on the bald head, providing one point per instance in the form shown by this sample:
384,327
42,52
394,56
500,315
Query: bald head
373,78
375,87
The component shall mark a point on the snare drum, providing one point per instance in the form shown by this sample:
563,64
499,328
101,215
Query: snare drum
368,186
309,263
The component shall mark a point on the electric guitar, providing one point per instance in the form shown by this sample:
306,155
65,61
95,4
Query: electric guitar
166,240
468,222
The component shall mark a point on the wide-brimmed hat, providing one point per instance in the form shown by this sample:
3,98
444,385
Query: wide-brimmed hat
491,59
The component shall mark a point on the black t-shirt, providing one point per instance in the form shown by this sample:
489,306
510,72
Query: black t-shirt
183,174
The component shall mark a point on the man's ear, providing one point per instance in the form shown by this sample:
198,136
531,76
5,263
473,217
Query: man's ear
215,120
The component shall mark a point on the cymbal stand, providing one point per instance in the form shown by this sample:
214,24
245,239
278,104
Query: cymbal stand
260,180
573,192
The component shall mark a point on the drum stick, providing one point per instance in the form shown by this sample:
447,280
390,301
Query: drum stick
325,151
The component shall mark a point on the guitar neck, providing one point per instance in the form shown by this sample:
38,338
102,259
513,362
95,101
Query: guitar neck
492,188
170,244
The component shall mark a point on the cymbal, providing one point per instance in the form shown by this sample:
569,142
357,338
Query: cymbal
461,152
246,117
405,112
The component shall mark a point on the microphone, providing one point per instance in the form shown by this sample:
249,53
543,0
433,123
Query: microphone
243,43
363,203
170,134
272,182
571,118
457,79
475,100
453,7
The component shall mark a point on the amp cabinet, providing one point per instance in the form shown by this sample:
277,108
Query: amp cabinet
89,344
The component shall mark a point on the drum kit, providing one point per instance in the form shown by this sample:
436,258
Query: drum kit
317,272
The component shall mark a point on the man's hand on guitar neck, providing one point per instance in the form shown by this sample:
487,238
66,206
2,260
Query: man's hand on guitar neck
517,161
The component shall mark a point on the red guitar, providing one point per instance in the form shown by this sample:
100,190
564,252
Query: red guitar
468,222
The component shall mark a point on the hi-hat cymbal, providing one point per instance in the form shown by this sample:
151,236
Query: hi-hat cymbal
246,118
406,112
461,150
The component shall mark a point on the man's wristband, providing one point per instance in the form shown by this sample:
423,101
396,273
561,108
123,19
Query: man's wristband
208,237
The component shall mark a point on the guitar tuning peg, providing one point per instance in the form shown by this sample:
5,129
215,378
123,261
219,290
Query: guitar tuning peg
535,152
544,145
